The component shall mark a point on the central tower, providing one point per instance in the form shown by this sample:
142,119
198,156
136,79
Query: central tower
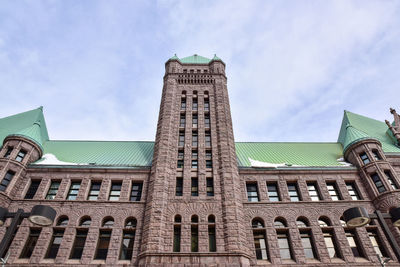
194,212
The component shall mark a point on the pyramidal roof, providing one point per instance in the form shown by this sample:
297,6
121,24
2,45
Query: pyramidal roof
195,59
356,127
30,124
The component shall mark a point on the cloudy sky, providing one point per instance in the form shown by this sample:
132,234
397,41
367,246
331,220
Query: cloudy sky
292,66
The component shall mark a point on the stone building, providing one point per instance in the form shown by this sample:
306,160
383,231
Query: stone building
194,197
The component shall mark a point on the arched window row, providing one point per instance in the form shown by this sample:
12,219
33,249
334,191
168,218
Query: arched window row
195,81
86,221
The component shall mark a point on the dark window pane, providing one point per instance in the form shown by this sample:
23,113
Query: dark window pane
73,190
128,239
195,187
32,189
273,193
20,156
8,152
102,245
30,243
212,245
79,244
115,191
179,187
136,192
51,194
194,239
177,239
210,187
252,192
55,243
6,180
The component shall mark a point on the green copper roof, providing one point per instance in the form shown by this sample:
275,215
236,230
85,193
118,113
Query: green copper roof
356,127
295,154
30,124
195,59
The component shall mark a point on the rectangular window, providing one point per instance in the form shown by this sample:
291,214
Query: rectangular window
364,158
207,120
102,245
331,244
20,156
376,243
195,120
73,190
180,154
195,187
208,139
177,238
32,189
194,239
94,191
179,165
51,194
206,104
79,244
293,192
55,243
313,191
209,164
6,180
179,187
391,180
252,192
260,245
136,192
354,243
115,191
181,139
376,154
210,187
307,243
333,191
273,193
128,239
194,159
284,246
30,243
8,152
351,187
182,121
183,103
212,244
194,139
378,183
195,104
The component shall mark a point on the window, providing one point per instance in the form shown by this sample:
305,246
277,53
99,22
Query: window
177,234
194,139
308,245
252,192
79,244
208,139
210,186
62,221
195,105
354,243
194,159
115,191
51,194
212,244
313,192
179,165
283,239
364,158
108,222
194,233
195,187
301,223
293,192
207,120
209,159
30,243
128,239
182,121
94,191
195,120
73,190
6,180
181,139
20,156
391,180
376,154
136,192
179,187
55,243
333,192
376,243
8,152
273,193
102,245
351,187
206,104
183,103
330,243
85,222
260,241
32,189
378,183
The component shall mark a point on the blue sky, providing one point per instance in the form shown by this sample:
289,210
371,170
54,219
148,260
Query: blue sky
292,66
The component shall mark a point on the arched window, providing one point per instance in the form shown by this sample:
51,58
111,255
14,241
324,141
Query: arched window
62,221
194,232
306,238
57,237
212,242
329,237
324,222
177,233
108,222
85,222
128,239
260,240
104,239
282,232
80,238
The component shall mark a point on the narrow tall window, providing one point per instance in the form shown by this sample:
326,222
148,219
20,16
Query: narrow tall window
273,192
252,192
136,192
376,154
195,104
195,120
73,190
293,192
207,121
181,139
313,192
102,245
30,243
32,189
183,103
128,240
182,121
179,187
351,187
194,159
177,233
378,183
115,191
79,243
206,104
333,191
194,233
260,240
308,245
208,139
55,243
354,243
6,180
20,156
94,191
330,243
283,240
209,159
194,139
51,194
391,180
376,243
212,242
8,152
364,158
210,187
195,187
